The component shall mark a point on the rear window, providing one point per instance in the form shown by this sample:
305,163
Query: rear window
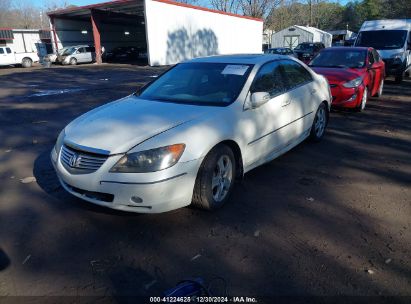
8,50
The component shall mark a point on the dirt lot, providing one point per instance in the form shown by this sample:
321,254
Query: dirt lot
332,218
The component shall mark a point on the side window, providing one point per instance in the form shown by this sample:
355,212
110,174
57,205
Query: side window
376,56
269,79
370,58
82,50
8,50
90,49
1,51
295,74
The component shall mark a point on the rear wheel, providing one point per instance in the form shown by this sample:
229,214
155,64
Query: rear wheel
26,63
73,61
215,179
380,89
319,124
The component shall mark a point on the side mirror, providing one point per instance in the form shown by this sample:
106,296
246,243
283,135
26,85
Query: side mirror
77,52
259,98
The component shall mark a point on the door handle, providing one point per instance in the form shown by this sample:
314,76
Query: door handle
313,91
286,102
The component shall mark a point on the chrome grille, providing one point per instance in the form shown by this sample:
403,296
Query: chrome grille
80,162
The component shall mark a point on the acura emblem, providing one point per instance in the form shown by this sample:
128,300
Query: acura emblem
74,160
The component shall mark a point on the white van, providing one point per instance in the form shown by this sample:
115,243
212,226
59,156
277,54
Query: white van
77,54
392,39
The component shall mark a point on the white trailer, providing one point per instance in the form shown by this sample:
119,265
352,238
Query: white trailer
167,31
292,36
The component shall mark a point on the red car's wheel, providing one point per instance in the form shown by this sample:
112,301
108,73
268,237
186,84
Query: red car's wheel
380,88
364,98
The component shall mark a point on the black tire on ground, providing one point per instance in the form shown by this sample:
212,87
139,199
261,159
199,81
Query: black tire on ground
210,179
364,100
26,63
407,73
319,124
399,78
73,61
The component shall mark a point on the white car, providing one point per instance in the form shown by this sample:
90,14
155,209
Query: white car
77,54
184,138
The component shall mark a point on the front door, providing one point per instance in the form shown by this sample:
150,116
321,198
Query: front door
264,126
6,56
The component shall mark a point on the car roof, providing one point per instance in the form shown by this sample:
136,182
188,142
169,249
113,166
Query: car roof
239,58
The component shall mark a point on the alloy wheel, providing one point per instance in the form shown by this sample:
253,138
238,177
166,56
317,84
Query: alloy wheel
320,122
222,178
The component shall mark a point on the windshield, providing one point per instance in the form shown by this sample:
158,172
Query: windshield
340,59
305,47
69,51
216,84
382,40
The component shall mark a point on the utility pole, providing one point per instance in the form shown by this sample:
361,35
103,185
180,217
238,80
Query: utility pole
310,2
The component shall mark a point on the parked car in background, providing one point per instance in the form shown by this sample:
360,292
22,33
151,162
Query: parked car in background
281,51
392,39
9,57
123,53
77,54
187,136
353,74
307,50
53,57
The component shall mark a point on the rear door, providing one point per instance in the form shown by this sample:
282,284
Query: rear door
302,98
379,70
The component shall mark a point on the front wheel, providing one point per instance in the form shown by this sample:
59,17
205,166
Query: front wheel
73,61
364,98
399,78
319,124
215,179
26,63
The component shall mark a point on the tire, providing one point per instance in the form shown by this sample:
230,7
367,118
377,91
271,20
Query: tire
319,124
73,61
364,100
26,63
380,88
215,179
399,78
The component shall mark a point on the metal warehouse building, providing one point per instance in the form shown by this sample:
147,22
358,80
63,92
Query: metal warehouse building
291,36
168,31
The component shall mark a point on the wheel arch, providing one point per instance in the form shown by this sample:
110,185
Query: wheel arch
237,154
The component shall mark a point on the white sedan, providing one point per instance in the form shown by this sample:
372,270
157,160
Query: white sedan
187,136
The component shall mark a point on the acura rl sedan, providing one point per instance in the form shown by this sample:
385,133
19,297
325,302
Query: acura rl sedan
188,135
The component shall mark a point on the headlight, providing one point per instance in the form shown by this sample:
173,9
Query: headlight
149,160
353,83
397,55
59,142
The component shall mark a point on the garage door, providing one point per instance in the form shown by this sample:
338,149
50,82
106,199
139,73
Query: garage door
290,41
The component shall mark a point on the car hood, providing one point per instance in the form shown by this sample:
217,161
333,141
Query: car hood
338,75
119,126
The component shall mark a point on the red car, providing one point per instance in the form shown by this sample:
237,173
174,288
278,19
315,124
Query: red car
354,74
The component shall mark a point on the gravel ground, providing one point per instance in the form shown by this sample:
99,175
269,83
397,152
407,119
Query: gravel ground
326,219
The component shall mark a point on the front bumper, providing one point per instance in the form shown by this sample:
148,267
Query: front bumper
152,192
394,67
346,97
